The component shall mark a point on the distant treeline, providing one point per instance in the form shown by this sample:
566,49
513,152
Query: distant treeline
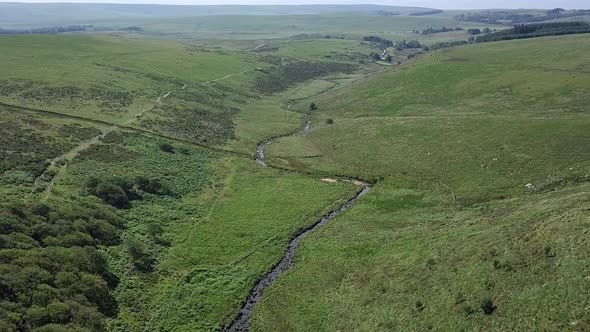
407,44
378,40
500,17
45,31
386,13
431,30
521,31
439,45
430,12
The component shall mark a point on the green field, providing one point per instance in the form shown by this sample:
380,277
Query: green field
133,199
482,172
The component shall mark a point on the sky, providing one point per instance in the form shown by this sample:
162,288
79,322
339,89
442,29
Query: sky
442,4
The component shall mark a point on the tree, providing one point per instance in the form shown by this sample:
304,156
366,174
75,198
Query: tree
389,58
112,194
474,32
375,56
312,106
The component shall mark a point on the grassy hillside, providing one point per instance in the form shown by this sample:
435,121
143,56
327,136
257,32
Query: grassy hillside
479,214
128,198
132,200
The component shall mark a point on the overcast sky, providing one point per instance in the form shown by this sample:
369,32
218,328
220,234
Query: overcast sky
442,4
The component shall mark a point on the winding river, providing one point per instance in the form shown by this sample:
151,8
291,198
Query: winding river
242,321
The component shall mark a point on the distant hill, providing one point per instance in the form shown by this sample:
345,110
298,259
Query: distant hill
38,14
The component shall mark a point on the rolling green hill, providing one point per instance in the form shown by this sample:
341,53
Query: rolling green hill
478,217
152,184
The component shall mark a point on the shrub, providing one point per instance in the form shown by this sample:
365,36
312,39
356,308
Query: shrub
487,306
112,194
166,147
329,121
142,260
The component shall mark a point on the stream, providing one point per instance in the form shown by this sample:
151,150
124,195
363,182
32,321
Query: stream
242,322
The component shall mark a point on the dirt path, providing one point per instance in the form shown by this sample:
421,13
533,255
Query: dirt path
59,163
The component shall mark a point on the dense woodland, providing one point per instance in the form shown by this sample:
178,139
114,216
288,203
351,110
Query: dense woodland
51,272
522,31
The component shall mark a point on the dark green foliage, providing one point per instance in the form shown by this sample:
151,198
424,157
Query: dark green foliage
382,42
51,273
120,191
523,31
330,121
419,306
141,259
207,126
107,98
112,194
439,45
407,44
487,306
152,186
474,31
166,147
25,149
434,30
281,78
312,106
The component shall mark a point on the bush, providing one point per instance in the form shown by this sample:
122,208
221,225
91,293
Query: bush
487,306
329,121
141,260
166,147
112,194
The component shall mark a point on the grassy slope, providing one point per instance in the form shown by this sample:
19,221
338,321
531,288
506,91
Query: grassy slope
222,229
142,70
473,120
218,199
454,137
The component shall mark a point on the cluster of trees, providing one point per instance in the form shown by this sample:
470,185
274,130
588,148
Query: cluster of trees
386,13
433,30
119,191
379,41
436,46
500,17
280,78
407,44
476,31
430,12
51,274
521,31
46,30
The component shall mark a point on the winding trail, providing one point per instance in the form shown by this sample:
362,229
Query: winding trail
57,164
242,321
